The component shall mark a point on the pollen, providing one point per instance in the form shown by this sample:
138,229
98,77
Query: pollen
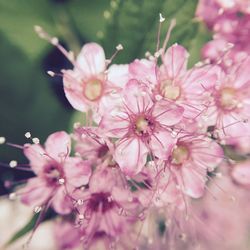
170,91
93,89
180,154
227,98
141,125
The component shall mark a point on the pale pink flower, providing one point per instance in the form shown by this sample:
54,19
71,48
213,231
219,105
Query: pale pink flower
57,174
172,81
229,110
190,161
90,82
142,127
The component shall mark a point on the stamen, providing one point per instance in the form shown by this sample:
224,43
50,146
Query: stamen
35,140
13,164
2,140
37,209
27,135
12,196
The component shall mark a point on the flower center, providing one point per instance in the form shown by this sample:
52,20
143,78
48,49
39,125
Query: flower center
52,173
93,89
143,126
228,98
169,91
180,154
100,202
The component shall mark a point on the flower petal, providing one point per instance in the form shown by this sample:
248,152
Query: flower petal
77,171
36,192
161,144
167,113
131,155
175,61
61,202
35,154
58,145
91,60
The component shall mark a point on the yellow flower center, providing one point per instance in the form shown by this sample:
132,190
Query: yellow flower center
93,89
141,125
170,91
180,154
228,98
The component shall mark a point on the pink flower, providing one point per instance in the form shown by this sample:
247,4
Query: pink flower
241,173
107,206
190,160
229,110
175,83
67,236
57,174
91,145
90,82
142,127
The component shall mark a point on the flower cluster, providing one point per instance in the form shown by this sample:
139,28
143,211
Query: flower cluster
230,22
154,136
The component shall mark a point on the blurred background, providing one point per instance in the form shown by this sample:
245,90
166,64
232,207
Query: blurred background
30,100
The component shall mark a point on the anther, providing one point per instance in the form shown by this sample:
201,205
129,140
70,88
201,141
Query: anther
119,47
35,140
13,164
37,209
51,73
2,140
27,135
162,19
12,196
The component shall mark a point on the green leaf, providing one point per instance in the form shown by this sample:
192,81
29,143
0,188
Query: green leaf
87,17
31,224
134,23
24,230
27,102
17,19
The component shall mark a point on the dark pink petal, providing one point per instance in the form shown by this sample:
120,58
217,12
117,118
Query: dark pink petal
58,145
36,192
175,61
62,202
131,155
167,113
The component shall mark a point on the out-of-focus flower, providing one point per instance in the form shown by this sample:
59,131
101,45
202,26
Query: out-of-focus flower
57,174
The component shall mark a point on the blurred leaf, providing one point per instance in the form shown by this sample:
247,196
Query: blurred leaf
17,19
31,224
88,17
201,37
27,102
134,23
27,228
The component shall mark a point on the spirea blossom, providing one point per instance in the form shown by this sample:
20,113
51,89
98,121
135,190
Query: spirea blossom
156,133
